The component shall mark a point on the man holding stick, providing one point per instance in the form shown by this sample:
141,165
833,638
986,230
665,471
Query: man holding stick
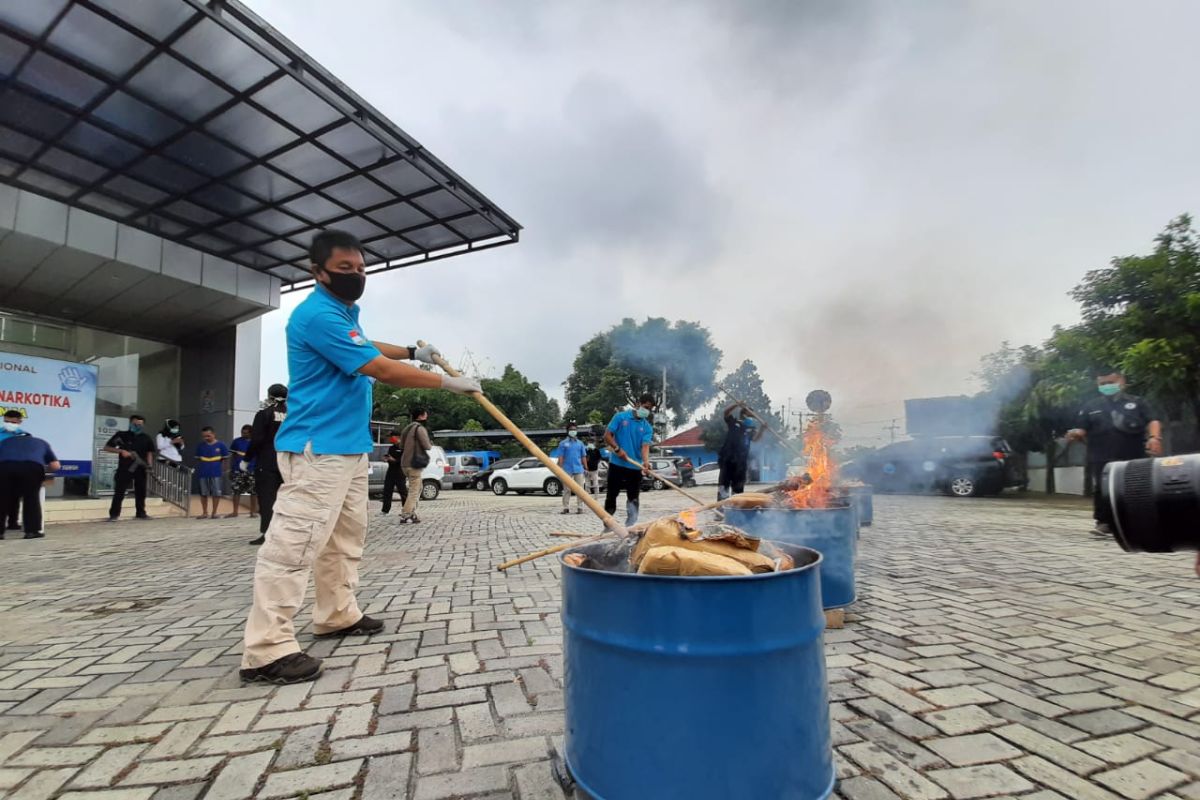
734,458
320,519
629,432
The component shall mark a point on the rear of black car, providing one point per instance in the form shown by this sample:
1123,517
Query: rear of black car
962,466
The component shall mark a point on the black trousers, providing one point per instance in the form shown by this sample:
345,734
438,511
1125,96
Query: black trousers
394,479
22,481
121,481
731,478
624,479
266,484
1101,511
10,512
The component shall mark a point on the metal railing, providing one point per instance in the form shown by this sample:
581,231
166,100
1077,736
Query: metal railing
173,483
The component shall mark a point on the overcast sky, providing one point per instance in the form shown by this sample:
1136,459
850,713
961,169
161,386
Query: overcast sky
860,196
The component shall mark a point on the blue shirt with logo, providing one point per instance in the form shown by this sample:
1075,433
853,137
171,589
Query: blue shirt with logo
329,402
23,446
572,451
209,458
239,447
631,433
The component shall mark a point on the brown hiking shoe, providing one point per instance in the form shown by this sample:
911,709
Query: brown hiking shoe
292,668
364,627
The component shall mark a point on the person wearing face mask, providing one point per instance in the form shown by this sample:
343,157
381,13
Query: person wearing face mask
592,460
267,478
319,525
10,511
1117,427
734,458
135,451
628,435
25,461
394,477
571,453
169,443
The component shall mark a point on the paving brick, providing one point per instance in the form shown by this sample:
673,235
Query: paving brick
54,756
387,777
293,719
1054,777
124,733
300,746
453,697
511,751
984,780
898,776
239,777
437,750
1142,779
1103,723
353,721
981,748
42,785
1120,749
379,744
864,788
310,779
107,767
475,721
236,743
11,776
177,771
962,719
238,717
459,784
956,696
144,793
181,737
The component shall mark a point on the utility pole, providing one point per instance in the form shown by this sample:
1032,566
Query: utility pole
895,426
663,405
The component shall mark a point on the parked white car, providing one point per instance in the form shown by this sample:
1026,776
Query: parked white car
527,475
433,478
707,474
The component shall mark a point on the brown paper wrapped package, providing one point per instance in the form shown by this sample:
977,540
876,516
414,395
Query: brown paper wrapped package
682,561
668,532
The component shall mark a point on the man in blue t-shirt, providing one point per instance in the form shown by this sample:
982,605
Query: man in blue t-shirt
571,452
628,437
319,523
24,462
210,460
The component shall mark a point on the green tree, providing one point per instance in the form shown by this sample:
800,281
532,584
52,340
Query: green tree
616,366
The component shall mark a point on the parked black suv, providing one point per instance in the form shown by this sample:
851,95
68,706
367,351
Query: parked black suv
961,466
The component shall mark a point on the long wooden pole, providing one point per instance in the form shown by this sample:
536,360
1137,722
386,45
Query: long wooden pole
539,454
666,482
762,422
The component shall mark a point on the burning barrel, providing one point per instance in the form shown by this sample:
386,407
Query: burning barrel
832,532
862,500
695,687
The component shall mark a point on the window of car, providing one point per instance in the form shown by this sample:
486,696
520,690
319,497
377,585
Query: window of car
526,463
709,467
469,461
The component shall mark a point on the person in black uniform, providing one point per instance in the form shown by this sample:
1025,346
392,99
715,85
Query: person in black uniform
592,463
267,478
734,458
394,477
136,451
1117,427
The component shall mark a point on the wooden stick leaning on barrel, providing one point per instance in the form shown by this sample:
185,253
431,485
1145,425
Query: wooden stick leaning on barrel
761,421
536,452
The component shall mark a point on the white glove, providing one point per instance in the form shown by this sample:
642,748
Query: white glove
461,385
243,466
426,353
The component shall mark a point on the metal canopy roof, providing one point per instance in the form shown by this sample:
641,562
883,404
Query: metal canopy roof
200,123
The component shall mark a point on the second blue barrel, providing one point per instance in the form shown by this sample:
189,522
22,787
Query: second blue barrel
833,532
696,688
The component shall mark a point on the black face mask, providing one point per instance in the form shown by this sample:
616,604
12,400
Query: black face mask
346,286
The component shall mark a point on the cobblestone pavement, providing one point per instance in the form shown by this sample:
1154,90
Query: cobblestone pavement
996,650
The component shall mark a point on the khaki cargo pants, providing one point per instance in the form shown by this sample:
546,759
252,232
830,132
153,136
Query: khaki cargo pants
319,526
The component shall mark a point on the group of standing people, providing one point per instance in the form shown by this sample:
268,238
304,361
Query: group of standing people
406,457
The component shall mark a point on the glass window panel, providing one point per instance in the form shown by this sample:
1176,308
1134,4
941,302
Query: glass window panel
393,247
125,186
160,225
17,143
225,200
275,220
433,237
78,168
107,205
358,192
253,259
130,114
282,250
289,99
476,227
47,183
97,41
33,18
243,234
100,145
7,167
265,183
221,53
32,116
190,212
402,177
211,242
155,17
170,83
399,216
314,208
360,227
441,203
355,145
206,154
251,129
49,75
167,175
308,164
11,52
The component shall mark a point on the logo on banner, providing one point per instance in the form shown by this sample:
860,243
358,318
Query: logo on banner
72,379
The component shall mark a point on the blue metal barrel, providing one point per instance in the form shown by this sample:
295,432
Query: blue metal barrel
833,532
696,688
862,500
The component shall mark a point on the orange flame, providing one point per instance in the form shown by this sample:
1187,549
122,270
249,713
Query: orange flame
820,470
